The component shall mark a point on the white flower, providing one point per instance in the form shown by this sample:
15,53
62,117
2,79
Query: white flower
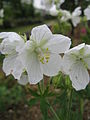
65,15
41,53
76,63
87,12
11,44
2,13
53,11
47,4
74,17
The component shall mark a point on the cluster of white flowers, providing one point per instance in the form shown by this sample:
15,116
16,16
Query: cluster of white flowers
51,8
74,16
1,13
29,60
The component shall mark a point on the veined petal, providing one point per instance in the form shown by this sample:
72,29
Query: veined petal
53,66
68,61
11,42
23,79
12,65
41,33
32,66
12,36
76,49
59,44
79,76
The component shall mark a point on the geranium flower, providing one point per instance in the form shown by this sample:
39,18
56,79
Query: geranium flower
40,54
87,12
11,44
74,17
53,11
76,63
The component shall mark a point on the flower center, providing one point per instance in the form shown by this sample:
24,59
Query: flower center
42,52
44,56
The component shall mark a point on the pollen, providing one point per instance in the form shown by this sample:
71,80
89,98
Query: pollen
44,56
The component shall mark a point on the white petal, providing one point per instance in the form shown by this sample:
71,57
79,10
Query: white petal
59,44
87,12
87,56
77,12
12,65
76,49
11,42
79,76
40,33
12,36
53,66
75,20
68,61
53,11
66,15
23,79
32,66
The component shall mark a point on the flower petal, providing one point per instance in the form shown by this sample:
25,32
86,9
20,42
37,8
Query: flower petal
75,20
76,49
53,11
41,33
12,65
53,66
32,66
11,42
23,79
68,61
87,55
59,44
87,12
79,76
77,12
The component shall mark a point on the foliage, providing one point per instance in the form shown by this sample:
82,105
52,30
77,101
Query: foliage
11,96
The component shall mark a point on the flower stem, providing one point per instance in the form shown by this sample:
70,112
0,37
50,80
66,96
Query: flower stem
42,85
81,108
53,111
51,108
69,104
39,88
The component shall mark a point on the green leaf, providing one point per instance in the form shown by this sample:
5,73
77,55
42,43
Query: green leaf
32,101
34,93
44,108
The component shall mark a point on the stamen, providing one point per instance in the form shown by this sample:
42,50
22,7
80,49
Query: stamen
44,56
